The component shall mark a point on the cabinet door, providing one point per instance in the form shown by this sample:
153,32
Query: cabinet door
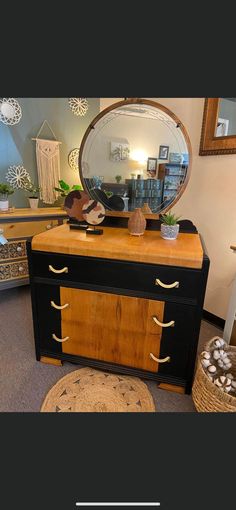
109,327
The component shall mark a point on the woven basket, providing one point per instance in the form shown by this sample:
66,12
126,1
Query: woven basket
206,395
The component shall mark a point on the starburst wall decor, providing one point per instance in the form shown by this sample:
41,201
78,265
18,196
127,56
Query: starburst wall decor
17,176
78,105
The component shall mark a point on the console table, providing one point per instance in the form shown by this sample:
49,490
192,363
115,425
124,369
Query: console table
121,303
18,226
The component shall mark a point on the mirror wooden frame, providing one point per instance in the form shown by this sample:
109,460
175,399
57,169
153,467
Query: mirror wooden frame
211,145
179,125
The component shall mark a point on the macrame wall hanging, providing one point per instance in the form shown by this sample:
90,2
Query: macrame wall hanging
48,165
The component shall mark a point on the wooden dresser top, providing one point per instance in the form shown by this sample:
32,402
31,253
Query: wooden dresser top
27,212
118,244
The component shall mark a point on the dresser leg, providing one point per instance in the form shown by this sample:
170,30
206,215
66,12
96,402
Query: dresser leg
51,361
171,387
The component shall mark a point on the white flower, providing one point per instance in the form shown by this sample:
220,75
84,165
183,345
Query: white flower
17,176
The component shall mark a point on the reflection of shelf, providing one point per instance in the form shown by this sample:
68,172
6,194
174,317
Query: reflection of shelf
176,175
143,191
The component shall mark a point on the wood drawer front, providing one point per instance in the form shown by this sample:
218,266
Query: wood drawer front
115,328
13,250
109,327
26,228
14,270
121,330
121,275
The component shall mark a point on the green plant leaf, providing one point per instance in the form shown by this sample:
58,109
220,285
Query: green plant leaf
64,185
76,187
170,218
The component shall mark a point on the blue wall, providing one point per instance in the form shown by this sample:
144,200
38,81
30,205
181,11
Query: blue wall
17,148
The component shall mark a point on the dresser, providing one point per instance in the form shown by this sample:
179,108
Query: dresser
118,302
17,227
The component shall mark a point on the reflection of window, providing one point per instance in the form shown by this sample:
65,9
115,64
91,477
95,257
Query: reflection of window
222,127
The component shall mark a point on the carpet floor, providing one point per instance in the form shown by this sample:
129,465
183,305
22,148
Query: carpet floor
24,382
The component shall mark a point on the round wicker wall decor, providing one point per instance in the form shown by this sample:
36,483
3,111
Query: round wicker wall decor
89,390
73,159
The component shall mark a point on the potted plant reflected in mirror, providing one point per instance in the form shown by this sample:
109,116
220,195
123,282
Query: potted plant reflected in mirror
169,226
33,191
64,189
5,191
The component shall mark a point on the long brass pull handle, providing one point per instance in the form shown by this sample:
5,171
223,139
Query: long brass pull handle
164,360
63,270
55,337
163,324
59,307
174,285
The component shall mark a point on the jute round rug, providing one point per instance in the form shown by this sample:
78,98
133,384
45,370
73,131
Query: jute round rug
92,391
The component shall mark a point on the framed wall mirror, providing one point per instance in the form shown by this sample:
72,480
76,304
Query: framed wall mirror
218,127
118,148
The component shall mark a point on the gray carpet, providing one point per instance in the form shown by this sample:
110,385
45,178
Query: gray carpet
24,382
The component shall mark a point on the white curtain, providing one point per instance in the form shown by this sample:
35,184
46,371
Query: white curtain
48,164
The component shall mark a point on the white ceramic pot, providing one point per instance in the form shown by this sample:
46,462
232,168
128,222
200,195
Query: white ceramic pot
169,232
4,205
34,203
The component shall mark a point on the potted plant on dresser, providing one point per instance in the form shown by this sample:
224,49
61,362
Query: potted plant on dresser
5,191
169,226
34,191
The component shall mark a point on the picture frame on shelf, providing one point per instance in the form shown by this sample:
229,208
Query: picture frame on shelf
163,152
152,167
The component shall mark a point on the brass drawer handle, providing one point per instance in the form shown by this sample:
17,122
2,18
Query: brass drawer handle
60,339
59,307
164,360
63,270
162,324
174,285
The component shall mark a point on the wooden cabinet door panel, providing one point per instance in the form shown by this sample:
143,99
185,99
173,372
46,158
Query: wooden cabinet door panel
109,327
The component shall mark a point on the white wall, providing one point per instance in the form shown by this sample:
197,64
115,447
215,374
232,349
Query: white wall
209,201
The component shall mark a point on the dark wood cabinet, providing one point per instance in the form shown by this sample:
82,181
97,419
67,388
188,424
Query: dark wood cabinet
130,316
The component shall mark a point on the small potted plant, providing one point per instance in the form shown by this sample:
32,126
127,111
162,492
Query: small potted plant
33,190
118,178
5,191
169,226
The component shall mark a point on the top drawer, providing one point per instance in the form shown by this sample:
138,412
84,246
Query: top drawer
13,250
154,280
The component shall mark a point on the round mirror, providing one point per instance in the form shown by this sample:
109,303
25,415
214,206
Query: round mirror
135,154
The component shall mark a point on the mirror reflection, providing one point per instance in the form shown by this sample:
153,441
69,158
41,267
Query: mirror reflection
226,120
135,155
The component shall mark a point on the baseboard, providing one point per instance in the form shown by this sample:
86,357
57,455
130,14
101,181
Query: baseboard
213,319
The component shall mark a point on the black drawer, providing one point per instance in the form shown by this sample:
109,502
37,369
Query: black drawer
48,318
119,275
178,341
